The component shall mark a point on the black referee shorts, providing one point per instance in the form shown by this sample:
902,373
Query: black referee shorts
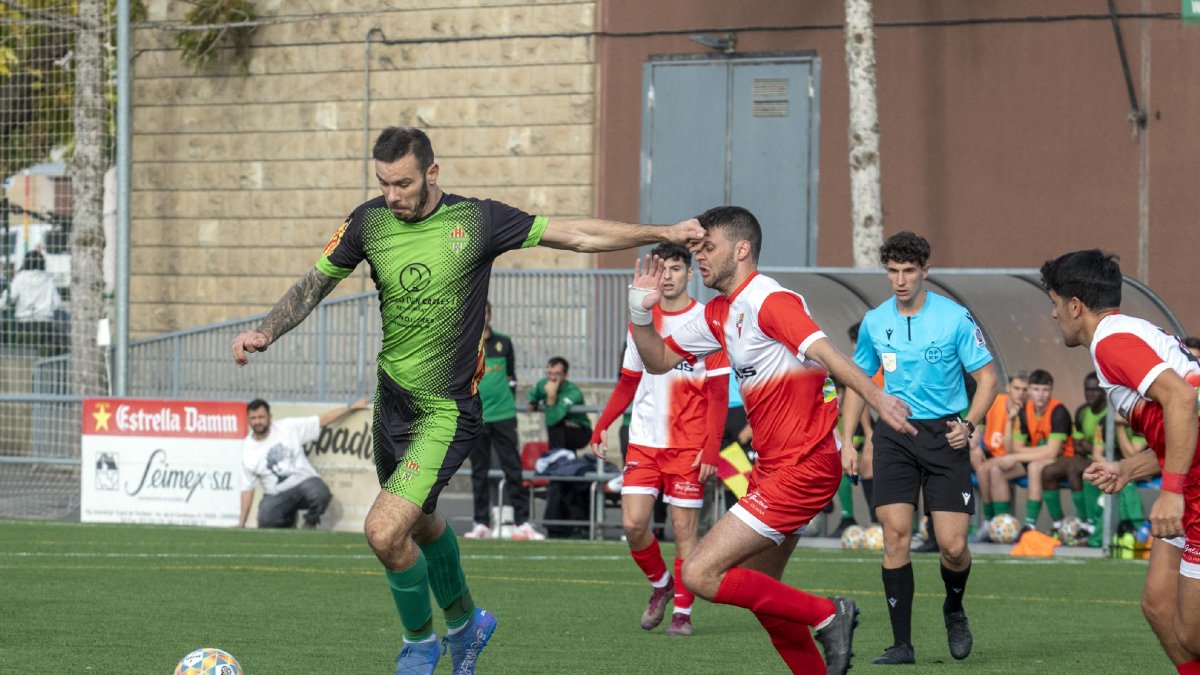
906,465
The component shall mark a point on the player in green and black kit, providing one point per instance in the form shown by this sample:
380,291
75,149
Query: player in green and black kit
430,255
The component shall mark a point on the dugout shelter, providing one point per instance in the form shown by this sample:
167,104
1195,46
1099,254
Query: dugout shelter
1008,304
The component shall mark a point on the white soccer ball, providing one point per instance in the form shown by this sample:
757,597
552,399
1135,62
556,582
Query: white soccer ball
873,538
853,537
1070,529
208,661
1005,529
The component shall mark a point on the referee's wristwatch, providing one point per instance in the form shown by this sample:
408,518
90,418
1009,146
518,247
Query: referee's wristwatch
970,426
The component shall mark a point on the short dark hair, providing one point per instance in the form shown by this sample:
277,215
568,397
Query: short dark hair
1191,342
852,331
1091,376
739,225
905,247
1040,376
669,251
396,143
559,361
1093,276
34,260
256,404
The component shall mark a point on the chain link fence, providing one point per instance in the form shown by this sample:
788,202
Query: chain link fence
56,144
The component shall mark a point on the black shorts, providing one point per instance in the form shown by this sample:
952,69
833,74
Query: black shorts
906,465
421,440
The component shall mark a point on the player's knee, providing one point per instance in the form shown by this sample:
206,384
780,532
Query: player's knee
635,528
386,539
1159,611
1188,635
699,579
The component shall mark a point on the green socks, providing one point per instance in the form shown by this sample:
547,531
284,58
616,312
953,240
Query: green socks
1053,499
447,580
846,498
989,510
410,590
1033,508
1131,504
1001,507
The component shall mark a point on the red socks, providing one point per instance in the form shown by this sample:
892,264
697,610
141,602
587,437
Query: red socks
761,594
683,597
651,561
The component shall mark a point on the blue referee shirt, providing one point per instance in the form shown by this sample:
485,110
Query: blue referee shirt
923,356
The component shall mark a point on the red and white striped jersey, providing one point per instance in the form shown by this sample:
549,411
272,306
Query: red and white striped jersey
1129,354
669,410
764,330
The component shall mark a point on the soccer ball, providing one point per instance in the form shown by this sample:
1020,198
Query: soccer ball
208,661
873,538
1005,529
854,537
1069,530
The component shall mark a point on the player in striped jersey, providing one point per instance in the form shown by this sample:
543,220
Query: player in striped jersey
674,436
782,361
1151,379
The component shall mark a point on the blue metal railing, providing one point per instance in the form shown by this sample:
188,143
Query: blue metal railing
577,314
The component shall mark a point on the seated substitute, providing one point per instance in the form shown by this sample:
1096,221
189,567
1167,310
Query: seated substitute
273,454
555,395
999,428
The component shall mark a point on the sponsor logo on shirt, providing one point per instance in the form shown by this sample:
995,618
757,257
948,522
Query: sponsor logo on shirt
415,277
889,361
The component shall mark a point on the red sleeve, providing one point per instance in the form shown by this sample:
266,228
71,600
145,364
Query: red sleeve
1126,359
784,317
620,399
716,393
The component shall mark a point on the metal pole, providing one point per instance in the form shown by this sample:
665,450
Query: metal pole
121,332
1110,504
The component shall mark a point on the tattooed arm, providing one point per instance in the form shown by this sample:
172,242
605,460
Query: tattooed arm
291,309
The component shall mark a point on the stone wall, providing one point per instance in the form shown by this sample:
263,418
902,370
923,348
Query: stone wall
238,181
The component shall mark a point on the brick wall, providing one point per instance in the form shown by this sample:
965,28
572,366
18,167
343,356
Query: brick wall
238,181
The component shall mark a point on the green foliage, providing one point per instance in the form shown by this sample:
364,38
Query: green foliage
200,47
37,77
298,601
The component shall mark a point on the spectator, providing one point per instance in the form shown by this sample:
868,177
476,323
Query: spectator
497,391
35,300
999,428
273,454
555,394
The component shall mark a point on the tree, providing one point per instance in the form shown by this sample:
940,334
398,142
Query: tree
866,207
89,376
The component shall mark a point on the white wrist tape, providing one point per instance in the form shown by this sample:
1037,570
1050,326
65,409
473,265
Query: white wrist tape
638,315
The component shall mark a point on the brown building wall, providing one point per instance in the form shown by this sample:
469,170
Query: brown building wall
1005,142
238,181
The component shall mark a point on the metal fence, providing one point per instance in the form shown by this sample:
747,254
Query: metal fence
576,314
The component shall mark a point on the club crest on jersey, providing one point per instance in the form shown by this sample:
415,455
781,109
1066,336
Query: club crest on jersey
889,361
740,321
458,238
336,238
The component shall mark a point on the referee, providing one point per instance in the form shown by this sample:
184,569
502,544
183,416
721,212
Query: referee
924,342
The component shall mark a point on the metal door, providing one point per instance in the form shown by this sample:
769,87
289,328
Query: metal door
735,131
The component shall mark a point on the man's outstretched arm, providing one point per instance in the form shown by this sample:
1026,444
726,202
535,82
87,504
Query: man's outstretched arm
296,303
592,235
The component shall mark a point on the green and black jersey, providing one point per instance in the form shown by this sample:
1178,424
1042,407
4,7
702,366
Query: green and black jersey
499,369
432,277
